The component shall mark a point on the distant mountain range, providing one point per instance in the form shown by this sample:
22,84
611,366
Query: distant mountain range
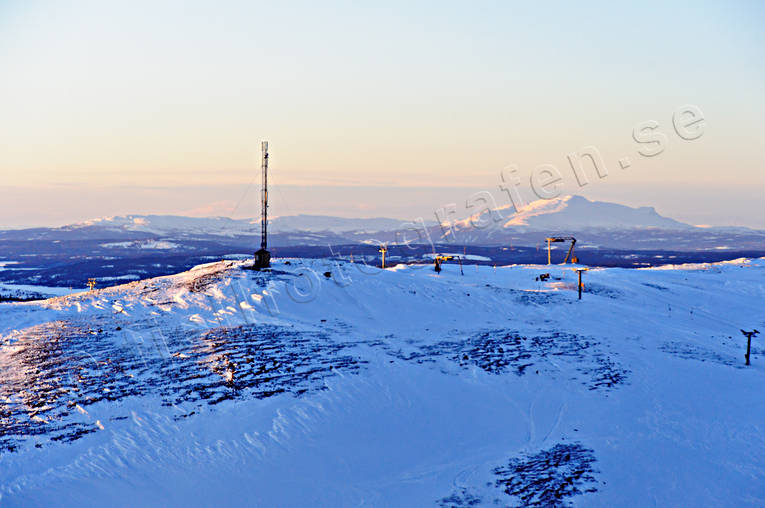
223,226
595,223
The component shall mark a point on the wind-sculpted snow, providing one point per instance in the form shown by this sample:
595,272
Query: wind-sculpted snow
501,351
701,354
53,374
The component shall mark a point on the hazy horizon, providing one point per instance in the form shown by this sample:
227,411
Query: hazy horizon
393,111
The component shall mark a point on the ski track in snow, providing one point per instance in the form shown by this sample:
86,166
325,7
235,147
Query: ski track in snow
388,387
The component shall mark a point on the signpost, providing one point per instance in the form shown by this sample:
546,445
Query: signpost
580,285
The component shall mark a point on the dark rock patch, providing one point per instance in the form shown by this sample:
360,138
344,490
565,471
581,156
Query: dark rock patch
549,477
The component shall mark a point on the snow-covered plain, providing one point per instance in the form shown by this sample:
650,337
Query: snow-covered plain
143,244
27,291
335,384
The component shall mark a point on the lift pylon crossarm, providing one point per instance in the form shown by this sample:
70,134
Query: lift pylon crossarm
558,239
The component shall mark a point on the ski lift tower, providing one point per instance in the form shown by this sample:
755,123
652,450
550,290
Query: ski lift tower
263,257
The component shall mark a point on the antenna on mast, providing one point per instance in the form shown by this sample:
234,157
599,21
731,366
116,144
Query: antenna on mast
263,257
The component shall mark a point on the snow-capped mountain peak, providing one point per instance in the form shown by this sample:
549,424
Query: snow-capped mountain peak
573,213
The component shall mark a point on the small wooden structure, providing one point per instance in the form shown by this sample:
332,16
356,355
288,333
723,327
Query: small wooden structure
92,284
580,285
383,249
749,336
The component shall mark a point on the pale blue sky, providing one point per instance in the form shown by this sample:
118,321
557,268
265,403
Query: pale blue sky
165,96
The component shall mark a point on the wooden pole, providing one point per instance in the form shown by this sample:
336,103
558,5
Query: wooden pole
549,258
749,336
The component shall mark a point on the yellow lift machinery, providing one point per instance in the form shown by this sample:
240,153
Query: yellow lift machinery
439,259
557,239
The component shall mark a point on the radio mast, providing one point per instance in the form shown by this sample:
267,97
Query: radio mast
263,257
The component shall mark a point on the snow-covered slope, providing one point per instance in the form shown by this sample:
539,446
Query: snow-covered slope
326,384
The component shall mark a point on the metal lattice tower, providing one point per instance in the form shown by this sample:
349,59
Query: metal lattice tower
263,257
264,198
